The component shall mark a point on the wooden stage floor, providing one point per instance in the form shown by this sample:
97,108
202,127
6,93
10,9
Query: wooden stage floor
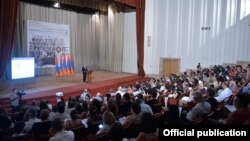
43,83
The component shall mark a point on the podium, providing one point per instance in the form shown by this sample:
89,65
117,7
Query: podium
89,78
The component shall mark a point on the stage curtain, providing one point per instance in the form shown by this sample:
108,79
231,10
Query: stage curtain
130,44
8,12
92,41
140,9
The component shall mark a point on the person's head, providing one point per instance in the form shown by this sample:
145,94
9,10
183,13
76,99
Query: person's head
248,66
70,104
44,114
225,84
126,97
140,96
19,125
136,108
118,98
32,113
210,92
57,124
116,132
173,116
73,115
61,108
197,97
148,123
43,105
241,100
154,94
85,106
79,108
108,118
112,107
54,108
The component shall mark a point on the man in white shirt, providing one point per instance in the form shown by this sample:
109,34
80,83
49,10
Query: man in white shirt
225,93
60,133
32,119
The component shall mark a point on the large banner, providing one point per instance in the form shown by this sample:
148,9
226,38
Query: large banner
47,42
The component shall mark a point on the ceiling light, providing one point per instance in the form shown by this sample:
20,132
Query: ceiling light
57,5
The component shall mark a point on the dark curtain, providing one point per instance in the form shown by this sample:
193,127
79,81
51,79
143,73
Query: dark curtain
8,14
140,11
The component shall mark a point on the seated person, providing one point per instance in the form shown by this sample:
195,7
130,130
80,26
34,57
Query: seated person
135,116
224,93
5,121
108,119
40,128
242,113
74,122
126,105
200,108
116,132
153,101
61,113
93,119
18,129
148,129
59,133
210,98
31,120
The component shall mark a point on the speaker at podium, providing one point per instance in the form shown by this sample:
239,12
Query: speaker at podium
89,76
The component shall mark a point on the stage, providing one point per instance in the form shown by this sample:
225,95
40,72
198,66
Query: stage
45,87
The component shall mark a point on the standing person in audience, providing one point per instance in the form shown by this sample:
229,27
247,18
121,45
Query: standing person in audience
59,133
14,100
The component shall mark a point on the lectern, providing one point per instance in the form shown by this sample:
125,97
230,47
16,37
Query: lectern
89,73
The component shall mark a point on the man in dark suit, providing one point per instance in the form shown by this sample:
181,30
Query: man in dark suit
84,73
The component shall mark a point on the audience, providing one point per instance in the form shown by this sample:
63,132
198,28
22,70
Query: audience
194,86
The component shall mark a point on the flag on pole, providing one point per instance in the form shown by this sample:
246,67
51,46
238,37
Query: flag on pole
72,68
68,65
61,66
64,66
57,68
